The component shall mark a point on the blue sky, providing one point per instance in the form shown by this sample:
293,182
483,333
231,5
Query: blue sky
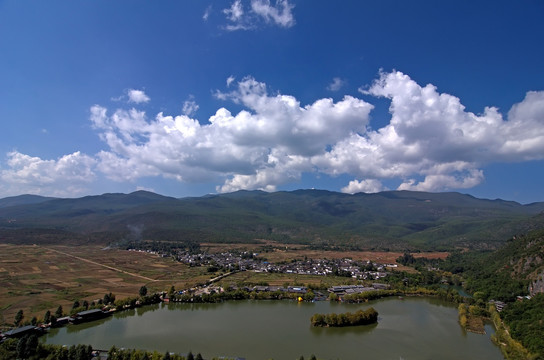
186,98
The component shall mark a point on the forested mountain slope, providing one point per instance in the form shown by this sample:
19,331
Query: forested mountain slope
386,220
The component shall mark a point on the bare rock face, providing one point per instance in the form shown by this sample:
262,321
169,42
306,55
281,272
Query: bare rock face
537,286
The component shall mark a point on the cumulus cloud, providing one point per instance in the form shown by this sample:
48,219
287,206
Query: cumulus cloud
432,135
270,143
431,142
259,11
366,186
66,176
137,96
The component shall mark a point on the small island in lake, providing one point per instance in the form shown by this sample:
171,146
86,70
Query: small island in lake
360,317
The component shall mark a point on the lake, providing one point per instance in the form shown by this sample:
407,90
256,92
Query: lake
409,329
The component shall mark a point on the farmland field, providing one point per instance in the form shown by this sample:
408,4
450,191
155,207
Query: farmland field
39,278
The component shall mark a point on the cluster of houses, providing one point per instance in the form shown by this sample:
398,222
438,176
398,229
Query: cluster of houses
363,270
339,290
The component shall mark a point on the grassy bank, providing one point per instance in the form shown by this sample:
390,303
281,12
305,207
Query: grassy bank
511,349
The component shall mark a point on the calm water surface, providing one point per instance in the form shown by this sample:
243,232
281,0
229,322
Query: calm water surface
410,329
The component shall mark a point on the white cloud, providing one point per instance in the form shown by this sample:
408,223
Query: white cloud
436,182
137,96
235,14
230,80
366,186
190,107
260,11
67,176
281,14
207,13
336,84
270,145
431,142
430,137
430,134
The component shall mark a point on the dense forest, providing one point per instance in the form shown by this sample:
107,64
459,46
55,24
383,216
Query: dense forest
526,322
503,274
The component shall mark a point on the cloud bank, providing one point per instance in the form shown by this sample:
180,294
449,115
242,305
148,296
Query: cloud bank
431,142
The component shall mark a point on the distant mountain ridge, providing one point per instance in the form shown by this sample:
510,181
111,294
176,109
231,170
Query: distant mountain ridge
386,220
25,199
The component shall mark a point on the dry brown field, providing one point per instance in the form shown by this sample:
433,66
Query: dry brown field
276,252
40,278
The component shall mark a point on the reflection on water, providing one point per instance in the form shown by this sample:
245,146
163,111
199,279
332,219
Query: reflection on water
340,331
414,328
138,311
83,326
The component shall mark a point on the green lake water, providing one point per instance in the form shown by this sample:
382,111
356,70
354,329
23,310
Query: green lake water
410,329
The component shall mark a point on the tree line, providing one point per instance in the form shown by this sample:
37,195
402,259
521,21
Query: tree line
29,348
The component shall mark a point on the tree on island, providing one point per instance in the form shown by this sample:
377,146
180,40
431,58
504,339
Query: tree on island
361,317
143,291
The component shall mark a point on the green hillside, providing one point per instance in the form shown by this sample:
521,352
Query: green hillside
516,269
388,220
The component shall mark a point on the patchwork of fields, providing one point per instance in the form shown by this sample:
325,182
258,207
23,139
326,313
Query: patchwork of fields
40,278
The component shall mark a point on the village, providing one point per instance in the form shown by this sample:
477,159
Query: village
250,261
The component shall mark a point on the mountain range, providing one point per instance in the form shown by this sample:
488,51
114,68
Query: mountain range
400,220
